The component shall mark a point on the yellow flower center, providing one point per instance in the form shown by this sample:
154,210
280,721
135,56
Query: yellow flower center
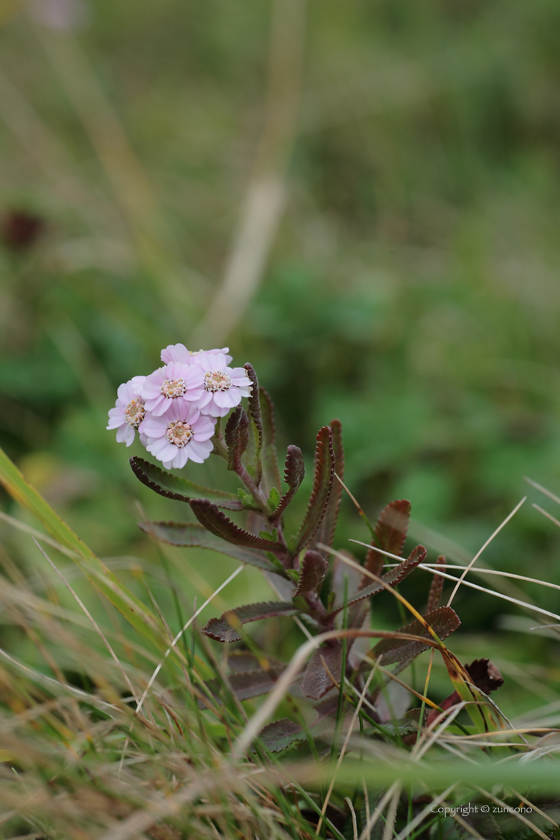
179,433
135,412
173,388
216,380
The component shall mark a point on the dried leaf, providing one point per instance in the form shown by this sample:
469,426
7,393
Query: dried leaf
281,734
392,578
390,535
313,571
327,529
193,535
322,487
256,418
270,457
218,523
225,628
180,489
437,586
294,472
444,621
237,436
317,680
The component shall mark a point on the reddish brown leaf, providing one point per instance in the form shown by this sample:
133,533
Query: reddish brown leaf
237,436
313,571
218,523
390,535
322,487
180,489
193,535
317,680
226,628
281,734
294,472
270,457
327,528
437,586
256,418
485,675
444,621
392,578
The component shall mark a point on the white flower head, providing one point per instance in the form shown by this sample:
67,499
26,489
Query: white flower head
181,434
129,411
174,382
222,387
179,353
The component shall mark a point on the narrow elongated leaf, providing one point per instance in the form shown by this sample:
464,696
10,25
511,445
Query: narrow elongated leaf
322,487
313,571
237,436
281,734
94,569
390,535
483,673
247,684
317,680
218,523
180,489
294,472
271,470
392,578
444,621
327,528
256,419
227,627
484,716
437,586
193,535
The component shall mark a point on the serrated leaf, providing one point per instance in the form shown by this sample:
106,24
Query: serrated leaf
237,436
256,420
436,587
193,535
178,488
226,628
270,457
392,578
322,487
316,679
390,535
294,473
281,734
444,621
273,499
218,523
312,573
327,528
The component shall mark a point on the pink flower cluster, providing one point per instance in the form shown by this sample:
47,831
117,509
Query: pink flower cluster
175,408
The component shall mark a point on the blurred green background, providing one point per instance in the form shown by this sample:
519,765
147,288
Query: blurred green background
363,200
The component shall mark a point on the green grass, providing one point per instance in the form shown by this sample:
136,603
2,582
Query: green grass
113,732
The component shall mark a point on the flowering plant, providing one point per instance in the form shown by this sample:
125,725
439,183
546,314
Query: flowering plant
178,411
